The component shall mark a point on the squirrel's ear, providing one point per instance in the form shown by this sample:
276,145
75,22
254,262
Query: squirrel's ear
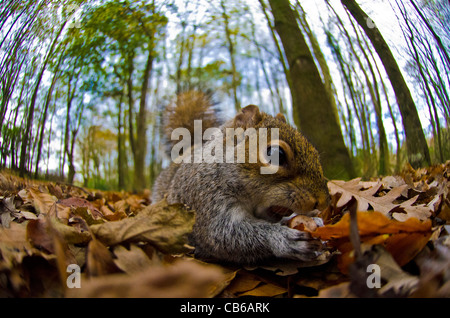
281,117
249,116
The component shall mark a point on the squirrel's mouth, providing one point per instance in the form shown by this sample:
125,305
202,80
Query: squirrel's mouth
273,213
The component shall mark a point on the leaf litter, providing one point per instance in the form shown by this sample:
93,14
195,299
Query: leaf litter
125,246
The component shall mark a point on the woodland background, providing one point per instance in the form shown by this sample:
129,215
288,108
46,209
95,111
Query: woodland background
84,84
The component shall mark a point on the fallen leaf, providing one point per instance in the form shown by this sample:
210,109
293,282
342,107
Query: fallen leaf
370,223
7,211
99,259
365,198
265,290
341,290
394,282
39,236
84,208
41,201
242,283
420,212
131,260
435,269
402,239
183,279
14,245
164,226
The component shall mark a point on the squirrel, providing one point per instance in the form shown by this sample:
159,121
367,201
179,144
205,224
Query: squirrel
238,209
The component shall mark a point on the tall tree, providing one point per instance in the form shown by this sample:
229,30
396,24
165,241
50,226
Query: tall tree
417,149
29,121
313,110
232,52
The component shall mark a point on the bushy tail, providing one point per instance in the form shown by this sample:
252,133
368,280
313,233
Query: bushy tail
189,106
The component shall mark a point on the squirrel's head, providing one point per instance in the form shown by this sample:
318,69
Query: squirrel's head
298,184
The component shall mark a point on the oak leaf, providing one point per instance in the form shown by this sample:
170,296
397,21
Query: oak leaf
369,195
365,196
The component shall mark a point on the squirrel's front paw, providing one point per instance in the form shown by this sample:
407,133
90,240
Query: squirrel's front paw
299,245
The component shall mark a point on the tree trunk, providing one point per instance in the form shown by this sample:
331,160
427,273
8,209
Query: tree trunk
121,155
231,51
139,182
416,145
312,108
130,70
29,121
282,60
320,57
44,115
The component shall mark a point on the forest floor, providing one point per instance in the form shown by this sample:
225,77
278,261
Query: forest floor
388,237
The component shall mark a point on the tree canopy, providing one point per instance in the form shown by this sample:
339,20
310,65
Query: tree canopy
84,83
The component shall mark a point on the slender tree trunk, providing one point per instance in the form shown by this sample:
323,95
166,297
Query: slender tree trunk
436,37
180,60
263,68
29,121
44,115
318,54
417,149
70,153
383,161
139,182
313,107
131,136
281,58
121,156
232,52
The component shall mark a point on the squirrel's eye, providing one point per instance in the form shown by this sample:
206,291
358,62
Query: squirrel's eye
277,152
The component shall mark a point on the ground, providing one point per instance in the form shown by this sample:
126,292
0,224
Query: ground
387,237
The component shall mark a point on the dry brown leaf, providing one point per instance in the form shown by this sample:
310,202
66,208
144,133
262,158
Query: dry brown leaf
99,259
132,260
265,290
43,235
341,290
368,194
71,234
394,282
61,212
164,226
354,189
370,223
185,278
41,201
7,211
402,239
435,269
242,283
14,245
83,208
421,212
39,236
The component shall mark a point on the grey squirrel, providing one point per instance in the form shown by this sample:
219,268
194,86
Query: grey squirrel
238,209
